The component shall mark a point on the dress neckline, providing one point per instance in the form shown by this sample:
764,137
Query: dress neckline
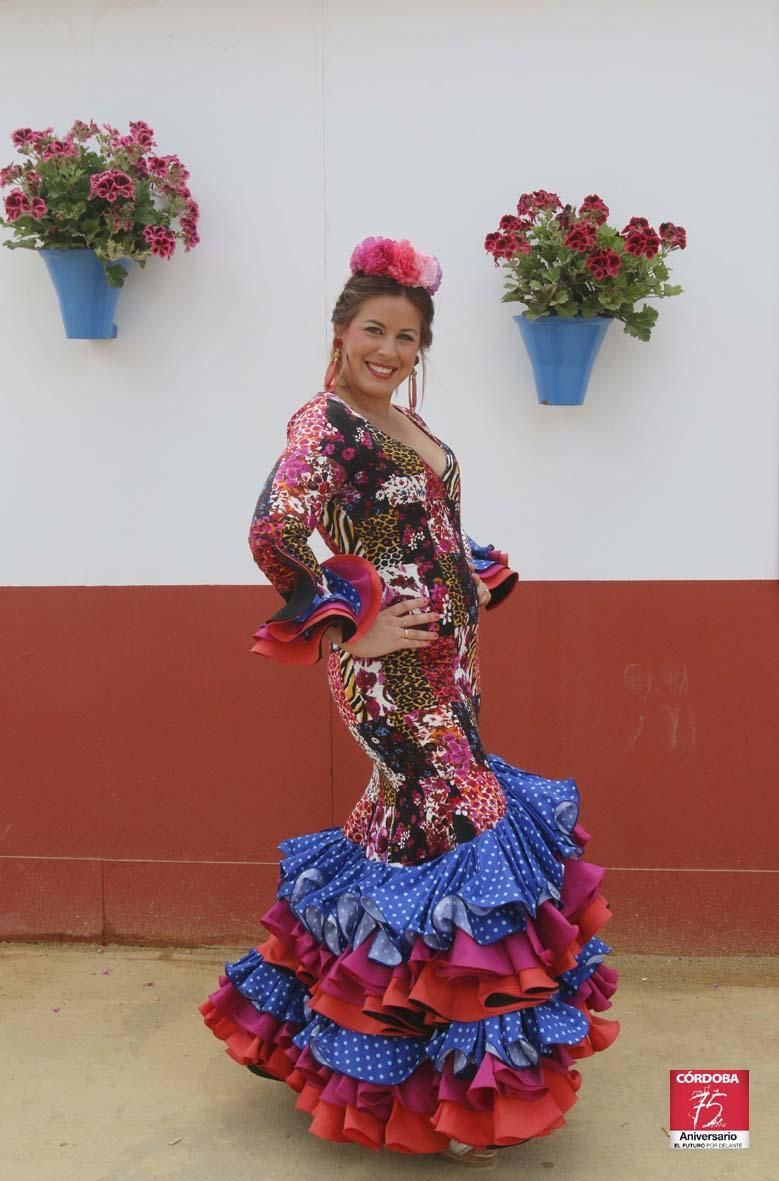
372,426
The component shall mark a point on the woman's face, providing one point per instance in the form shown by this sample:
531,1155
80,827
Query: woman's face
379,347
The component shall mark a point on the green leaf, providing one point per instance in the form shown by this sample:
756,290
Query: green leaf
146,215
115,275
640,331
668,289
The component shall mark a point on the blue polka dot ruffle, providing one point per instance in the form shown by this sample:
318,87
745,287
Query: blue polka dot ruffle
486,886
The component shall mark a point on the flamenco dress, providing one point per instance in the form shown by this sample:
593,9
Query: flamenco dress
434,969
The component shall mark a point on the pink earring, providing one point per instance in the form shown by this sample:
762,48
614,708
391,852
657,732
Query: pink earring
332,368
412,388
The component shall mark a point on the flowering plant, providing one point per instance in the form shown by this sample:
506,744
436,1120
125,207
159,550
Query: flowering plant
101,190
564,262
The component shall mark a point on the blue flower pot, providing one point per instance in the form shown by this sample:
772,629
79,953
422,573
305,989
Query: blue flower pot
562,352
86,301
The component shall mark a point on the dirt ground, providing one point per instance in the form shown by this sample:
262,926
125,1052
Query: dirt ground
110,1075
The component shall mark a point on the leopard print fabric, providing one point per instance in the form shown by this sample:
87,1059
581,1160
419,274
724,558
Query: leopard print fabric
415,711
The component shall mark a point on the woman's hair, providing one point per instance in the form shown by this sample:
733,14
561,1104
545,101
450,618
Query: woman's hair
361,287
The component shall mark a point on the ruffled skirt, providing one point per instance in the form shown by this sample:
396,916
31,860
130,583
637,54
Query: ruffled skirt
408,1006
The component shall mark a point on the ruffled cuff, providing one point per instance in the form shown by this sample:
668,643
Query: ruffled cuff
353,595
492,566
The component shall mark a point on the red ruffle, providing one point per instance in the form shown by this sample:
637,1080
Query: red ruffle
498,575
466,982
299,642
501,1105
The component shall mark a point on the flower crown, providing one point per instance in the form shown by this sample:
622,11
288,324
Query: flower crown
399,260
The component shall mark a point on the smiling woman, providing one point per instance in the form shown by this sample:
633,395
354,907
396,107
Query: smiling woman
380,346
434,968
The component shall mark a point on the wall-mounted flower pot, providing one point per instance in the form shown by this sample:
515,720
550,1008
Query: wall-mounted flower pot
562,352
86,301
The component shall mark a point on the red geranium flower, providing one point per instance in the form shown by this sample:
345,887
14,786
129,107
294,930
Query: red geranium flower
566,218
675,236
594,208
581,237
636,223
530,204
605,264
642,242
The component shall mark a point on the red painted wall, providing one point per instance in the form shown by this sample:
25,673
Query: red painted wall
150,764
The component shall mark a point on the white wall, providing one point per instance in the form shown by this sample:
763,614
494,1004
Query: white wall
309,125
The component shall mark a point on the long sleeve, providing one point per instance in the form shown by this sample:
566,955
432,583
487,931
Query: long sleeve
310,472
492,567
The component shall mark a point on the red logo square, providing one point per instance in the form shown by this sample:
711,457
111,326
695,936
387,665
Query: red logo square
709,1108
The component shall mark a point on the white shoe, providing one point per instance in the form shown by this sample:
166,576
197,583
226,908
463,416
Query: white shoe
466,1154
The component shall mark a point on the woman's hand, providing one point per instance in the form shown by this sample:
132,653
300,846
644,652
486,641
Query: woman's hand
395,628
482,590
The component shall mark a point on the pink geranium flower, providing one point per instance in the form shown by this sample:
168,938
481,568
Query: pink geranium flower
10,174
25,137
191,236
48,184
161,240
111,185
82,131
16,205
142,134
59,147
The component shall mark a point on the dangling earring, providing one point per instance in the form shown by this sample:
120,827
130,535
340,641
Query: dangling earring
333,367
412,387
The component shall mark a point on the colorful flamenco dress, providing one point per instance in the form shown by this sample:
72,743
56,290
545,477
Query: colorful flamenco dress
434,969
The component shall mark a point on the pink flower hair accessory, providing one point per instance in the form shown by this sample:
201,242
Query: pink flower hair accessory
399,260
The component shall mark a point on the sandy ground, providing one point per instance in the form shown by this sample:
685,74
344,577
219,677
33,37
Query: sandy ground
110,1075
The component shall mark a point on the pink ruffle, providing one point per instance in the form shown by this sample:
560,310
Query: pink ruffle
298,641
466,982
500,1105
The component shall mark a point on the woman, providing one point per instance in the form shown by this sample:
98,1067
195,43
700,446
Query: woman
433,970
